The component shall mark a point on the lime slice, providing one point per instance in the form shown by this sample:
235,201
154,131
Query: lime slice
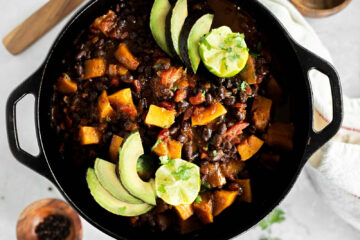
223,52
177,182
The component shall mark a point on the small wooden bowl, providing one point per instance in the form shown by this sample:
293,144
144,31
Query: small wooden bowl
36,212
320,8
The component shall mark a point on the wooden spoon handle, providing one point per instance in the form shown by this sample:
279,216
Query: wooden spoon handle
38,24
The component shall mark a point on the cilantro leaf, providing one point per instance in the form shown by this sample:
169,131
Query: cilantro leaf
162,188
214,153
182,173
255,55
156,144
243,86
198,199
205,42
175,88
276,216
206,185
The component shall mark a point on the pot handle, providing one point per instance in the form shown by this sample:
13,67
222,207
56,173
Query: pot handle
311,61
36,163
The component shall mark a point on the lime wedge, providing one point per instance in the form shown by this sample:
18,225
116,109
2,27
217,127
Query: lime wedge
223,52
177,182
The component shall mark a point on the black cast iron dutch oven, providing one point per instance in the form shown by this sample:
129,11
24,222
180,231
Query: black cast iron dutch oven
290,60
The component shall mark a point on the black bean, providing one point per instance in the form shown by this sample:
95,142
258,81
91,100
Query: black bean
228,83
229,101
220,80
142,105
221,93
80,55
79,69
206,134
99,53
182,106
131,19
126,79
185,125
100,43
216,155
222,129
133,35
227,145
174,129
217,140
208,98
182,138
229,124
243,97
148,71
240,116
187,151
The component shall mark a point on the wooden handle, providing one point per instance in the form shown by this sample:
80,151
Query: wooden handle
38,24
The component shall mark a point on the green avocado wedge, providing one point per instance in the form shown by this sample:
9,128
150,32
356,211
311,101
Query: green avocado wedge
106,174
174,23
110,203
196,25
129,154
159,12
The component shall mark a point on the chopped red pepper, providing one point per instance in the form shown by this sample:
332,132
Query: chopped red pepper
171,75
180,95
198,99
235,130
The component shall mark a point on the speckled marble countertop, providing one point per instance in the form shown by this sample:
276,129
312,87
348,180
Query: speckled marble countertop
307,217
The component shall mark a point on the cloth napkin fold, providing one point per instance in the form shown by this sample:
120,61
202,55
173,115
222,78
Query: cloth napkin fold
335,168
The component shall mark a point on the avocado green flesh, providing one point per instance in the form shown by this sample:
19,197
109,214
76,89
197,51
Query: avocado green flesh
200,28
131,150
106,173
179,14
110,203
158,15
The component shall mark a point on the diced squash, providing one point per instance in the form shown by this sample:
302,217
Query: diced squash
105,23
261,112
89,135
280,135
184,211
160,117
248,74
117,70
94,68
204,209
248,147
122,100
104,107
65,85
169,148
274,91
222,200
175,148
189,225
208,114
161,149
114,148
246,195
213,174
125,57
232,168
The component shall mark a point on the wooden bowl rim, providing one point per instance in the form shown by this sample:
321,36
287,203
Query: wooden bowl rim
314,12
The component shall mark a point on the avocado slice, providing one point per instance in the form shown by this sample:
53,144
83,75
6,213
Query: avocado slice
129,153
174,23
196,25
110,203
106,174
159,12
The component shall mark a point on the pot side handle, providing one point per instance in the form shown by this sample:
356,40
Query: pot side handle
311,61
36,163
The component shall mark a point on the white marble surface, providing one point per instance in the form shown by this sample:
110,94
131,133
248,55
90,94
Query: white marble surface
306,215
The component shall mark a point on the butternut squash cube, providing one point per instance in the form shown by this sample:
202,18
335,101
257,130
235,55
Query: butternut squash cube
222,200
209,114
204,209
249,147
160,117
104,107
184,211
261,112
65,85
161,149
125,57
174,148
248,74
114,148
280,135
117,70
246,195
89,135
94,68
123,101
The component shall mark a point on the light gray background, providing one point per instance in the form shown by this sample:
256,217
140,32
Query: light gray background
307,217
